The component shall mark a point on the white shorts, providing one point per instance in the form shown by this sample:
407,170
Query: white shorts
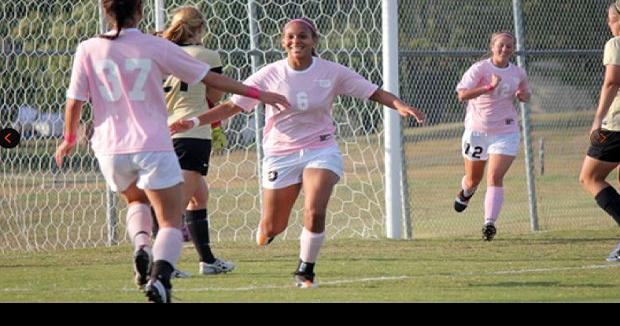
476,146
285,170
150,170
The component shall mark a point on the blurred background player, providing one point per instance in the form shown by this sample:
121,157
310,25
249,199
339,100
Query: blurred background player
604,152
120,73
491,135
193,148
300,145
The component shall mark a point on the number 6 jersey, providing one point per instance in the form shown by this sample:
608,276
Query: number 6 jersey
311,92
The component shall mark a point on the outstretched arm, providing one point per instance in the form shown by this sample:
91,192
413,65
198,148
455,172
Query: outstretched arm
229,85
72,121
220,112
390,100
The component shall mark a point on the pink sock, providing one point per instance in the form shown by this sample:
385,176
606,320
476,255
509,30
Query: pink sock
493,204
467,191
168,245
310,244
139,225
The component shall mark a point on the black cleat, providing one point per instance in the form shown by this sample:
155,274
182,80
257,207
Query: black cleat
461,202
304,280
141,267
488,232
157,292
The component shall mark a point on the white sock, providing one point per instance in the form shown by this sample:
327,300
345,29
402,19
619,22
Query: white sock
310,244
168,245
139,225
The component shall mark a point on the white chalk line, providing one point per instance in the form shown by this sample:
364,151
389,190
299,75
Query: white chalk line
323,283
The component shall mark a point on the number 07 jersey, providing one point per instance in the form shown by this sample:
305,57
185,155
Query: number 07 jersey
311,92
122,79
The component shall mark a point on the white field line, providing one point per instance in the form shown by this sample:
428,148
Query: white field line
334,282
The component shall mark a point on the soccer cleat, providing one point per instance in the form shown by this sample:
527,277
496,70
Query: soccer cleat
488,232
304,280
217,267
461,202
180,274
141,267
156,292
614,256
263,240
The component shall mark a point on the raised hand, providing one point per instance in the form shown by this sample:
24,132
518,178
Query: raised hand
495,80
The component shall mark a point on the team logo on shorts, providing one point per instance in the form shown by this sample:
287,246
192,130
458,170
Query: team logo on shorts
272,176
510,121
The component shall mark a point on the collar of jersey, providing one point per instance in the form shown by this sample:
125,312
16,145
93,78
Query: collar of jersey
123,31
499,68
291,70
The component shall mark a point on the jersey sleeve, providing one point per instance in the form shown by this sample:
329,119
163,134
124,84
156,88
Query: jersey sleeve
180,64
470,79
611,56
78,86
351,83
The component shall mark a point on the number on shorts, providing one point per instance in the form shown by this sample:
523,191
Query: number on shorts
477,151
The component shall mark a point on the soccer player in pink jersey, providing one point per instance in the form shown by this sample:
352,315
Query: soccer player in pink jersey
603,155
491,135
120,74
300,145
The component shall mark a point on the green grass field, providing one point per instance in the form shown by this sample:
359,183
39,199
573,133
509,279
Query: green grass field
541,267
46,218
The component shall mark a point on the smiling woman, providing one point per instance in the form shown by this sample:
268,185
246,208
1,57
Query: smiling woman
301,151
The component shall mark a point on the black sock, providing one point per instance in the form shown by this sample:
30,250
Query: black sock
609,200
155,227
305,268
198,226
162,270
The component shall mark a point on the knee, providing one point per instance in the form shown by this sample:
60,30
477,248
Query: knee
271,229
314,219
587,179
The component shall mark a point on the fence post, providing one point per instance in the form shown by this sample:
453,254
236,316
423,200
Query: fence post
393,142
110,202
525,119
259,116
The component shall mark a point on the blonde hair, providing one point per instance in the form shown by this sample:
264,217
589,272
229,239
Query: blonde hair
186,23
614,8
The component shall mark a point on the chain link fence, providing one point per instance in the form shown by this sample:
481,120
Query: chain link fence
43,207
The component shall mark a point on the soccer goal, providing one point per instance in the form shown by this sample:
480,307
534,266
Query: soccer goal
43,207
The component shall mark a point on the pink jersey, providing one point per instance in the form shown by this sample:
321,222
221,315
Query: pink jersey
122,78
308,124
493,112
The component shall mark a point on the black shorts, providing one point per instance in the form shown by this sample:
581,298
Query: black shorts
193,154
605,145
